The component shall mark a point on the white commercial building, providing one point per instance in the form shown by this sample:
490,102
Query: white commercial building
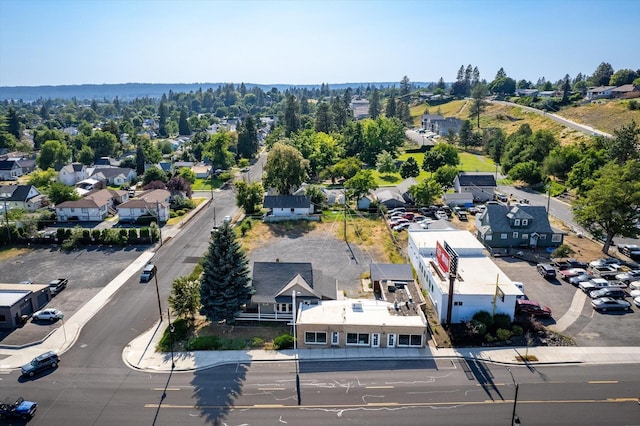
450,257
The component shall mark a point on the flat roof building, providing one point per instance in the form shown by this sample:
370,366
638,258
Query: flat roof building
450,258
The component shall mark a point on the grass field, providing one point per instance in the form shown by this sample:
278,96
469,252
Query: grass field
606,117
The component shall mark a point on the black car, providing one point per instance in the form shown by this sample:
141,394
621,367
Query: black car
614,293
40,363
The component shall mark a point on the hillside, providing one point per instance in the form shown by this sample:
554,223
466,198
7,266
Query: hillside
605,117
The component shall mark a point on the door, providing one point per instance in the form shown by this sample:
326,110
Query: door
391,341
375,340
335,338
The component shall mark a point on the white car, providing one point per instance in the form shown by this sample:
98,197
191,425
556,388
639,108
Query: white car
402,226
634,293
636,300
49,314
440,214
227,219
634,285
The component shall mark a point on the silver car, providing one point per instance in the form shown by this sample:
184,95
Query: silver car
49,314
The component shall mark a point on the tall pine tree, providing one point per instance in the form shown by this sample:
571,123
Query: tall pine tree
248,138
375,108
225,284
183,124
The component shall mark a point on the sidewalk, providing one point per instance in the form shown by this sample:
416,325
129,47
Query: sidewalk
140,353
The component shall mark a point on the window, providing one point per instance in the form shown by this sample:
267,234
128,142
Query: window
503,236
315,337
335,338
543,236
359,339
457,303
283,307
3,318
516,222
525,236
515,235
525,222
488,237
410,340
85,210
556,238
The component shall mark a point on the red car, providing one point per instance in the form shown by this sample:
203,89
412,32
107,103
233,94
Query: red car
530,307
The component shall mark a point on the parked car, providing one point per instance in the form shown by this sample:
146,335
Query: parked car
440,214
57,285
569,264
530,307
593,284
634,285
397,210
580,278
49,314
634,293
418,217
566,274
608,272
408,215
546,270
18,407
636,301
629,276
227,219
630,250
605,261
398,221
614,293
402,226
26,282
605,304
41,363
462,215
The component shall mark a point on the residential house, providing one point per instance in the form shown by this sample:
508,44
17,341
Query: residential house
154,202
364,202
600,92
480,185
288,207
107,162
626,91
27,164
25,197
441,125
72,174
274,284
527,92
514,226
398,196
115,176
10,170
202,171
94,207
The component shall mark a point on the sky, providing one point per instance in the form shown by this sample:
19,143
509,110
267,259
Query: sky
57,42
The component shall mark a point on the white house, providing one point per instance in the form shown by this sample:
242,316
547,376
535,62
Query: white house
116,176
20,197
10,170
288,206
154,202
451,258
600,92
72,174
93,208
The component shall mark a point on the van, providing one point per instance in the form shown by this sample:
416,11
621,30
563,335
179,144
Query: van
546,270
148,273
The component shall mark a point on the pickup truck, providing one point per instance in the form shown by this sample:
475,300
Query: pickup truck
18,407
57,285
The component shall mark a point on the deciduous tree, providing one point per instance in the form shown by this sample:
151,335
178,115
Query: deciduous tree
385,163
249,196
426,192
286,168
360,184
58,193
185,297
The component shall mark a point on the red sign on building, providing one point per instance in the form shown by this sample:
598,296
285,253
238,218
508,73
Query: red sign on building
443,258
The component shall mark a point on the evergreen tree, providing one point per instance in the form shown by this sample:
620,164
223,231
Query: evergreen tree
225,284
405,86
13,123
374,104
339,112
323,123
248,138
410,168
441,84
390,110
163,113
291,116
566,87
183,124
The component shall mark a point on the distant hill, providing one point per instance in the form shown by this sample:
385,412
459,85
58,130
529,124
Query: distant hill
131,91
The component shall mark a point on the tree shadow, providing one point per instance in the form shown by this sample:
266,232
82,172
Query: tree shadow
291,229
390,178
215,393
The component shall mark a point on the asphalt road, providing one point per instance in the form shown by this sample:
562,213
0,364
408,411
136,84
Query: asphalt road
363,392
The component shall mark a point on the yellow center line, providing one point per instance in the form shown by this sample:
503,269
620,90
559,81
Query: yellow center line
270,389
167,389
602,382
379,387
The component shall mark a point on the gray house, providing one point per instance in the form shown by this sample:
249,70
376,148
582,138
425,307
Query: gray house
274,284
504,226
480,185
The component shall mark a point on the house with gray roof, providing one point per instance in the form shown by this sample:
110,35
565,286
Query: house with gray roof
116,176
10,170
153,202
274,284
514,226
480,185
25,197
600,92
288,207
398,196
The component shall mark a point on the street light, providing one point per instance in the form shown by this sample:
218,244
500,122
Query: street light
295,345
171,330
515,420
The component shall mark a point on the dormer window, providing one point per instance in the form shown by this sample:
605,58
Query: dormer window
516,222
525,222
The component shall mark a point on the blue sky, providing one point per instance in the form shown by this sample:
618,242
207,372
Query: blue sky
46,42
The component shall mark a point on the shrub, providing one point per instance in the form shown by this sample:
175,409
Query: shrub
489,338
86,236
484,317
476,328
180,330
95,236
633,105
562,250
517,330
144,233
503,334
173,214
257,342
60,234
502,321
204,343
284,341
133,234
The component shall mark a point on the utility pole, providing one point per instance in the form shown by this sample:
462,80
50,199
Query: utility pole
158,293
6,217
345,216
159,228
295,345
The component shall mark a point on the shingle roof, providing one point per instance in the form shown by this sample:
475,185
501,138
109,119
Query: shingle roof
286,201
499,221
18,192
486,179
7,164
269,278
111,172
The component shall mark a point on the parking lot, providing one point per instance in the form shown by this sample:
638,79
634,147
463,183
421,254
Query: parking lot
590,328
88,271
